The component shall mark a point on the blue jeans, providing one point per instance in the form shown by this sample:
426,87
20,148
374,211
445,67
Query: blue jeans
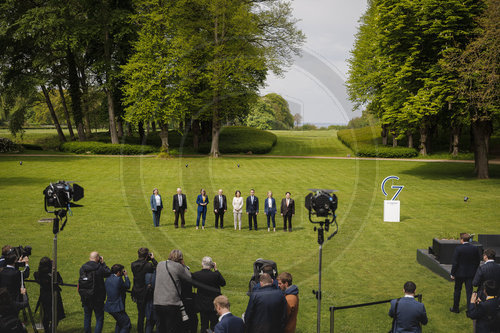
271,216
98,308
123,324
156,217
202,213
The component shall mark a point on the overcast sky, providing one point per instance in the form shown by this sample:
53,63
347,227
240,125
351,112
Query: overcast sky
314,85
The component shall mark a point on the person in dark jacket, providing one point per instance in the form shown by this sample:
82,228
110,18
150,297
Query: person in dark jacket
141,291
266,310
9,310
44,278
486,313
115,302
489,271
10,276
96,302
252,209
209,276
465,262
410,314
227,322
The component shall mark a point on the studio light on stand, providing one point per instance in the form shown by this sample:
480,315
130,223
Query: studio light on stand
59,196
322,204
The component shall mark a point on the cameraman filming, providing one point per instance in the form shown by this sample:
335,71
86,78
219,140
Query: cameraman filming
11,277
5,251
146,263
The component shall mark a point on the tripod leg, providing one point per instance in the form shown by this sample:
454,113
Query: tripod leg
31,317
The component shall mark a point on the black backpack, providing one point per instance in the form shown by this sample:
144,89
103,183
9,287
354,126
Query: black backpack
86,285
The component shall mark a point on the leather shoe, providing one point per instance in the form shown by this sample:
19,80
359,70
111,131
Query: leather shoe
454,310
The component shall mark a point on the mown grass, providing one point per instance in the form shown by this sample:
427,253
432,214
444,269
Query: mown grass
308,143
367,261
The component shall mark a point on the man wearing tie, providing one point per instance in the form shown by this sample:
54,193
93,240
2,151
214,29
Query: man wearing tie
179,207
287,211
220,207
252,209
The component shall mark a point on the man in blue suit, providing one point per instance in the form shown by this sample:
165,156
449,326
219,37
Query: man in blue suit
252,209
227,322
489,271
465,262
270,210
115,303
408,314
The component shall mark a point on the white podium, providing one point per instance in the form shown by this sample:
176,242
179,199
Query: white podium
391,210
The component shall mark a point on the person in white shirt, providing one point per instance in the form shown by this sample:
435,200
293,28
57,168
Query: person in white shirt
237,208
156,207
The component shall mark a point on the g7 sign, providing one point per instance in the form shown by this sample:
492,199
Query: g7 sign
398,187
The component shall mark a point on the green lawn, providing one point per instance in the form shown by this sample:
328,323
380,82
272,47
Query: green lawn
309,143
367,261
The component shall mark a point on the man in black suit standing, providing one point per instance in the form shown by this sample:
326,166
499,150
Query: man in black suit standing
486,313
489,271
220,207
179,207
287,211
252,209
10,276
465,262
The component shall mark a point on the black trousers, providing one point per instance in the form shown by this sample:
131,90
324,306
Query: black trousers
181,213
458,291
287,217
250,217
208,320
169,319
219,215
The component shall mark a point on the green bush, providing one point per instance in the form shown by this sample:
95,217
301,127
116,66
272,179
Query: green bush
31,146
153,139
99,148
365,142
7,146
236,140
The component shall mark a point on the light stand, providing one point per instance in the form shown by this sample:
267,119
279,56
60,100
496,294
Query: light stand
60,214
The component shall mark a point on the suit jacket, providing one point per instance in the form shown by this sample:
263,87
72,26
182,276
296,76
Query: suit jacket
199,200
266,311
480,313
140,268
411,314
488,271
271,210
101,271
287,210
115,290
212,279
230,324
217,203
10,278
175,203
465,261
152,201
252,208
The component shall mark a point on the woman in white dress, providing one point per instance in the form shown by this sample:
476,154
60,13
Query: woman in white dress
237,208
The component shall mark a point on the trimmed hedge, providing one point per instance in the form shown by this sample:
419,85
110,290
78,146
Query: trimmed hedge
238,140
94,147
365,143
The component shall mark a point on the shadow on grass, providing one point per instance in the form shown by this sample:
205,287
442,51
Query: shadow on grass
457,171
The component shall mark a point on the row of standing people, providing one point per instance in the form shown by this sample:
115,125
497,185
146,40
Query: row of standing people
165,300
220,206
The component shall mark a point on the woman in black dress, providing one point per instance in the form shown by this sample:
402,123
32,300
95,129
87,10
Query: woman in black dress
44,279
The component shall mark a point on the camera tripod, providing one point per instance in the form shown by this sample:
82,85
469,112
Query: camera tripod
29,315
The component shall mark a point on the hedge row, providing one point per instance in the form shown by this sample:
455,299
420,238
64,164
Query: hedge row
364,143
93,147
237,140
6,146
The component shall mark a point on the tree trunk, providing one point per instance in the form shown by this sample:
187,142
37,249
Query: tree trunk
60,133
129,129
384,135
195,127
119,122
423,140
109,90
164,136
394,140
482,132
66,112
85,109
216,126
153,126
140,129
455,139
409,135
75,94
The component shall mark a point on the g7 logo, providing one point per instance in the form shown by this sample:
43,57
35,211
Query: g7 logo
398,187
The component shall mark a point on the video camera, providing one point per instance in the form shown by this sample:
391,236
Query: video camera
60,194
20,252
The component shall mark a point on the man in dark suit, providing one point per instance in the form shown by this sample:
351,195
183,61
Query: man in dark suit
10,276
489,271
487,313
408,314
115,302
145,264
252,209
465,262
266,310
99,270
179,207
227,322
220,207
287,211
